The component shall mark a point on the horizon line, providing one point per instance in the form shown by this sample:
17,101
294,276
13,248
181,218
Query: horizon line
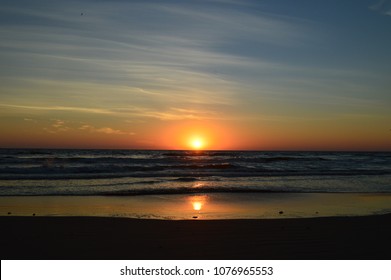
200,150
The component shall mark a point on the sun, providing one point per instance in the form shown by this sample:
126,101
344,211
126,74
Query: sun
197,143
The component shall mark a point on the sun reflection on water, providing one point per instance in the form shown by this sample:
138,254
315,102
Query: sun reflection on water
198,185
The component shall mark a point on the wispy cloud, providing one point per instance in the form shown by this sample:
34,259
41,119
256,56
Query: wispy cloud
382,6
105,130
58,108
30,120
57,126
157,46
125,112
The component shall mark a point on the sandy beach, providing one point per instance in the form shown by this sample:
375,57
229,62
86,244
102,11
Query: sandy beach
366,237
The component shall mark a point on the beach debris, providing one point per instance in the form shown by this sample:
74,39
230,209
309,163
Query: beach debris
281,212
9,213
33,214
316,212
195,217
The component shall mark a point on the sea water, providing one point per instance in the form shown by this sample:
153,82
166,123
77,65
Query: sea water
135,172
193,184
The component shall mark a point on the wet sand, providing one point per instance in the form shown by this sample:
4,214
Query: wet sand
213,206
367,237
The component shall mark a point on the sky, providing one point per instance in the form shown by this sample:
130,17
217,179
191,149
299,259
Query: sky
230,74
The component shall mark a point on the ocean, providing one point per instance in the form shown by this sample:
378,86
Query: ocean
193,184
137,172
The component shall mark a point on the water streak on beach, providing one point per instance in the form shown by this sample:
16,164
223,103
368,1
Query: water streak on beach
135,172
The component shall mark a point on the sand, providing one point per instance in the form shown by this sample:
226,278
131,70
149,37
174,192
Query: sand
367,237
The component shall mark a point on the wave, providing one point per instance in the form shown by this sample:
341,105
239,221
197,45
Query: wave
160,173
95,164
275,159
203,190
201,153
187,179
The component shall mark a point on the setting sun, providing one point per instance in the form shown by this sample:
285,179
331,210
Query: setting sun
197,136
197,143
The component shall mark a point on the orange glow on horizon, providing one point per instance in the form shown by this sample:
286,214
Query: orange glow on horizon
183,135
196,136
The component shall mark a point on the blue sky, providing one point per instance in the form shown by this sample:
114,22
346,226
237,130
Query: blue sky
269,65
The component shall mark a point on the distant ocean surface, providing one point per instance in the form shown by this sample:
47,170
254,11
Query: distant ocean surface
32,172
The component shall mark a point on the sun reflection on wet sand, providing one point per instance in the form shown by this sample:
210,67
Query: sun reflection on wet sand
198,202
197,206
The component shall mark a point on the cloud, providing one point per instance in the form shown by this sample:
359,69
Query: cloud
382,6
57,126
60,126
59,108
30,120
142,43
125,112
105,130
